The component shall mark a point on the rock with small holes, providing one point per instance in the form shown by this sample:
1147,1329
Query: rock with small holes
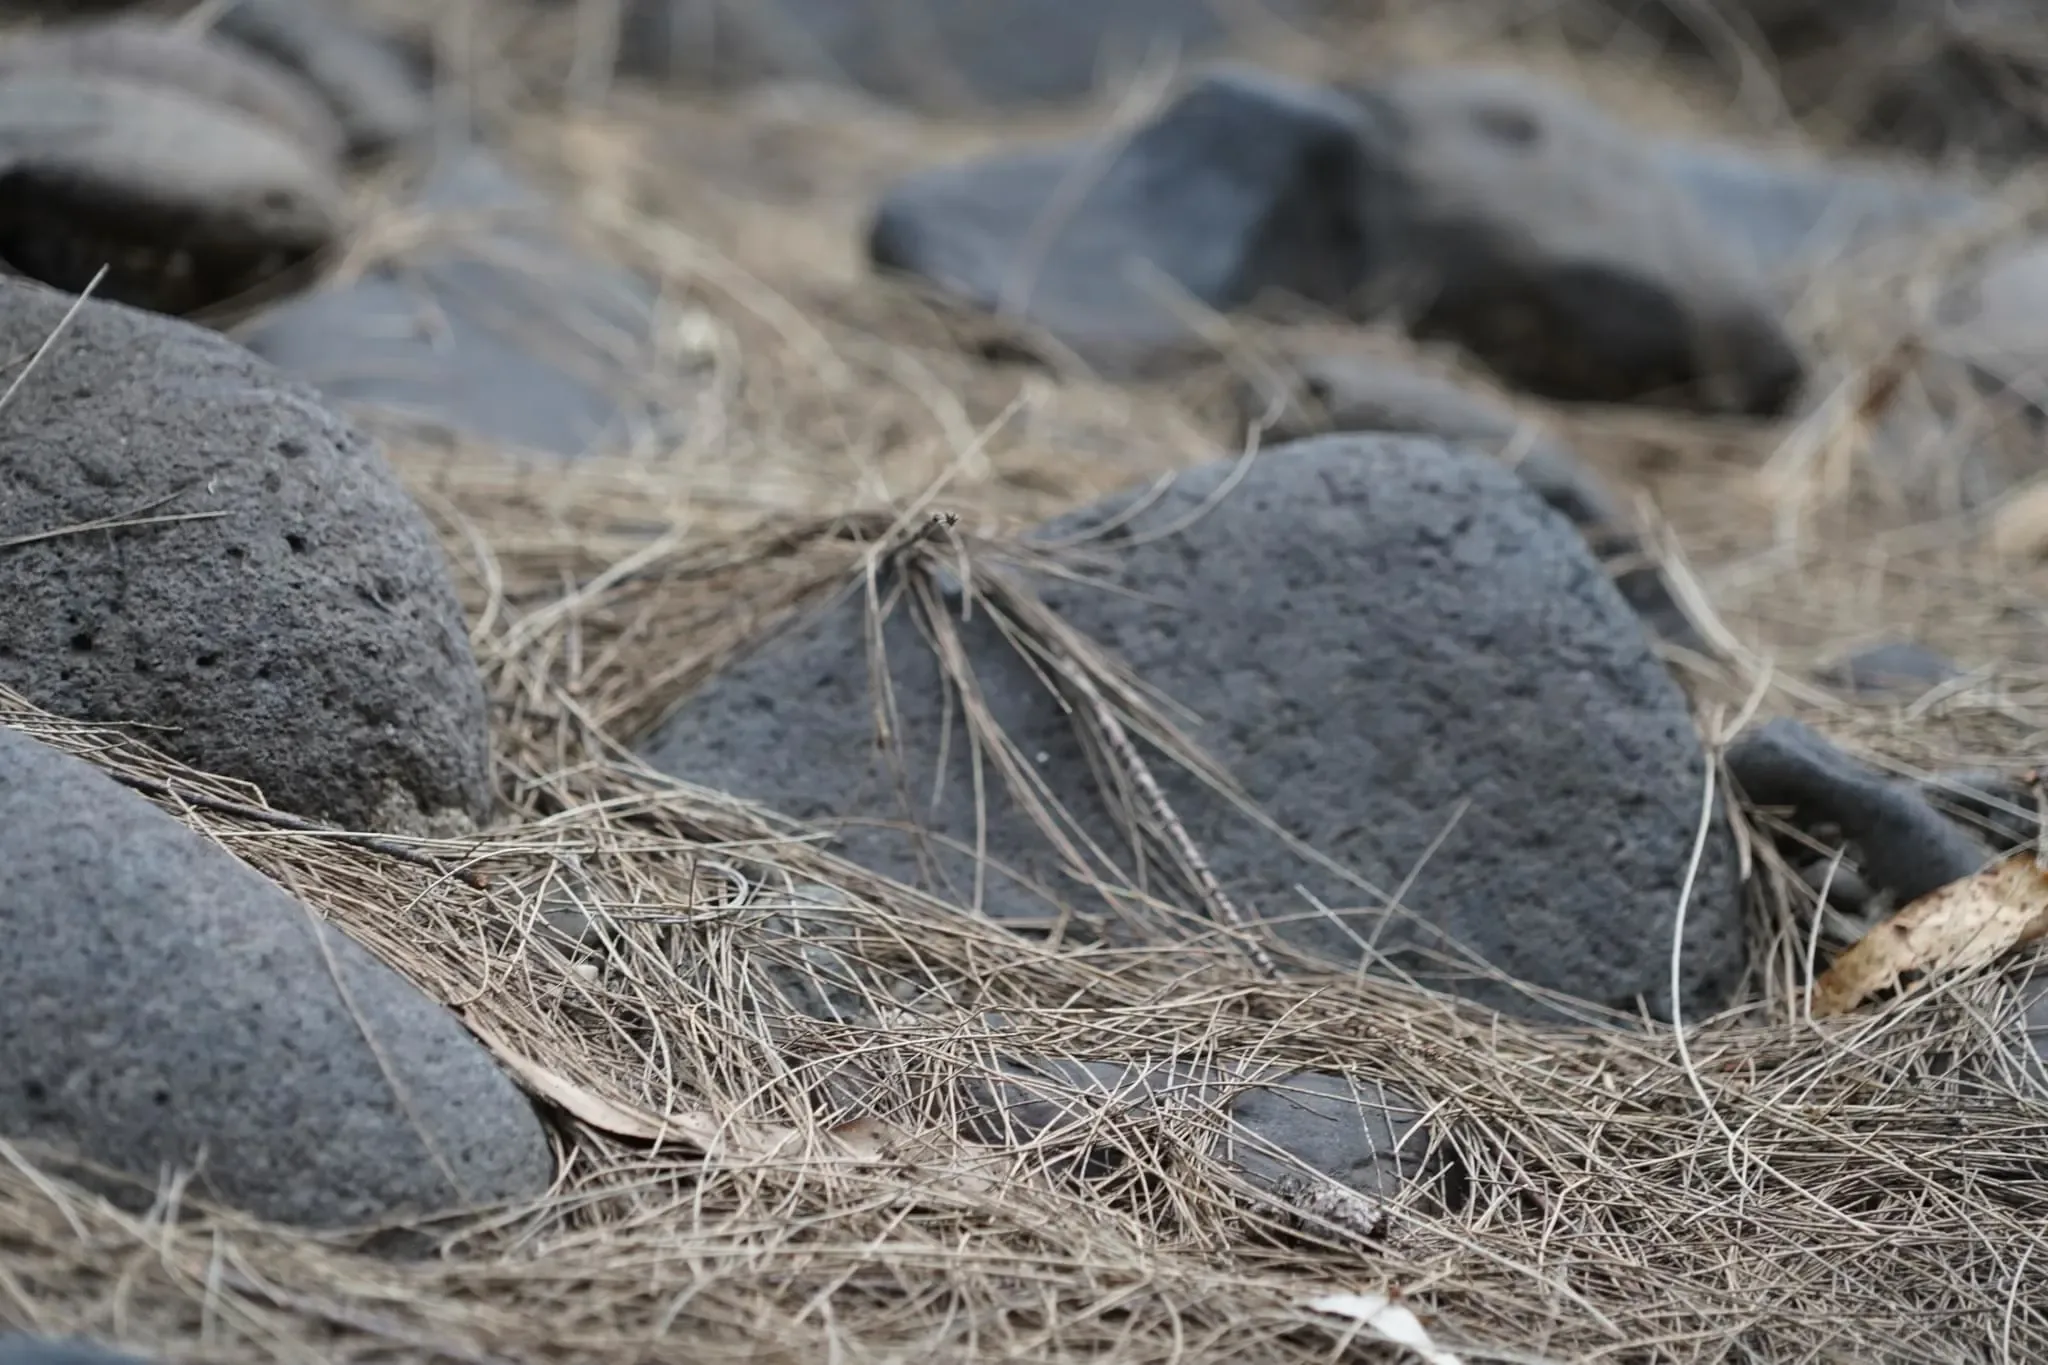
1245,186
934,54
211,69
496,331
297,629
1540,234
168,1009
379,97
1415,670
1357,393
187,204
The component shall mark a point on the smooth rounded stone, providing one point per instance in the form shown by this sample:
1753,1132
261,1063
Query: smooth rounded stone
1245,184
1356,393
1996,322
305,638
22,1349
1846,890
381,102
1405,659
933,54
188,203
1279,1130
1542,236
1898,666
1903,845
152,52
2002,810
162,1001
500,334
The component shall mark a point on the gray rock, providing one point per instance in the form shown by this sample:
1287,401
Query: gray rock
1388,642
935,54
1903,845
306,639
20,1349
1999,809
153,52
165,1006
1791,215
188,203
500,333
1280,1131
380,100
1354,393
1245,184
1896,666
1544,237
1995,321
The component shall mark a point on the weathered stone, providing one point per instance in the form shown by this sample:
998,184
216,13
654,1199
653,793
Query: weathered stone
1903,845
305,637
1898,666
1789,216
18,1349
1245,184
1407,661
379,99
1542,235
153,52
502,332
1355,393
937,54
167,1008
187,203
1280,1131
2001,810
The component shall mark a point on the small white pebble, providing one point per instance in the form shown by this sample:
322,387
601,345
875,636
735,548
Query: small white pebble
586,970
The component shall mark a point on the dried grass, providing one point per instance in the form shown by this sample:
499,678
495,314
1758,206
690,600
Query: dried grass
743,1181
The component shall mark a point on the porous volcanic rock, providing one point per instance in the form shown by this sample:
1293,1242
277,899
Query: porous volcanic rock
167,1007
1405,659
304,636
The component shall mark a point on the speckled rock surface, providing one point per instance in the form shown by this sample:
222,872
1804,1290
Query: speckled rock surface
304,637
1406,659
162,1000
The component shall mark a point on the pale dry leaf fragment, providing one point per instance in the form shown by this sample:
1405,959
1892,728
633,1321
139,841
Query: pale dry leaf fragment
1387,1320
1957,927
2019,526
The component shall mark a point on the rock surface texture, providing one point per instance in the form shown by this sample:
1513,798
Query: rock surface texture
501,332
166,1006
304,636
1352,393
187,203
928,53
1409,662
1247,183
16,1349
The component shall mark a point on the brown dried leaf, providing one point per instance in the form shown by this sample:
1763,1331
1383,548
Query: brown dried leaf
1959,926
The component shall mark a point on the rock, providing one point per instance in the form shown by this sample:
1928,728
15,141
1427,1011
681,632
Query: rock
306,638
188,203
380,101
936,54
488,334
21,1349
1897,666
1543,237
1350,393
1904,846
1789,216
1245,184
1282,1130
164,1001
152,52
1994,322
1409,662
2003,811
1846,890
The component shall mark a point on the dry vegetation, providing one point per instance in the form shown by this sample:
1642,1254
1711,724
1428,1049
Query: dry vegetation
1764,1187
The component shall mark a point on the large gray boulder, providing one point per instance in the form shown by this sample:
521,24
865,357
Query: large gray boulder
166,1007
502,332
305,637
1407,660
